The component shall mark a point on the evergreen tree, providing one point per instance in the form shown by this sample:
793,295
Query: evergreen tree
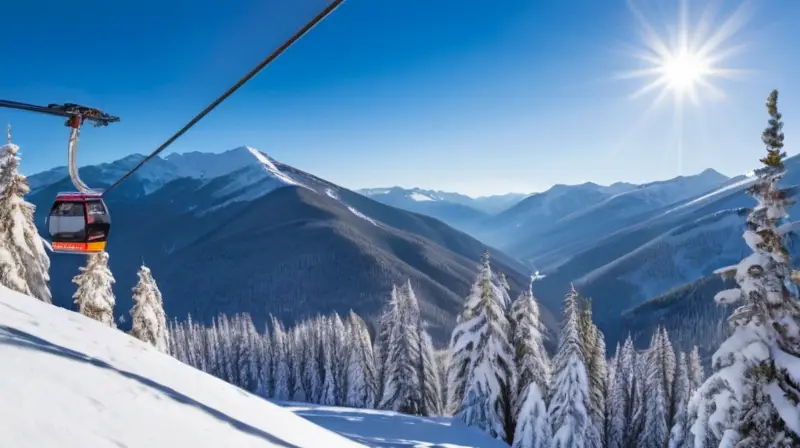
281,364
491,374
695,368
149,322
639,394
753,397
570,402
24,264
533,374
622,397
430,384
593,348
679,436
339,356
401,376
361,373
656,432
264,384
300,353
94,297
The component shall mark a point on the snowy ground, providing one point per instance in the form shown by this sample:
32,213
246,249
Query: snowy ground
68,381
386,429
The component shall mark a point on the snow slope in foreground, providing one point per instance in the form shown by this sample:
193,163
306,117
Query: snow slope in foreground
386,429
68,381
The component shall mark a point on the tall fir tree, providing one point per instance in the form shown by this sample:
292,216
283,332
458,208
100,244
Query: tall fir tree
753,397
94,297
533,374
281,363
593,348
656,430
569,397
679,435
361,373
622,397
491,376
430,383
401,388
24,264
148,320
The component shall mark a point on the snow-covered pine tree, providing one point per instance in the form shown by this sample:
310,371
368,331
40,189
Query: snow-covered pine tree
611,372
401,376
281,364
668,365
505,290
595,359
430,383
301,352
639,394
533,374
339,355
656,430
24,264
243,330
264,385
569,397
328,391
149,322
679,435
314,362
361,372
695,368
622,398
94,296
381,344
491,375
753,397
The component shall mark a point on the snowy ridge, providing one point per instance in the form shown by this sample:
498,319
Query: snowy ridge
271,168
749,178
70,381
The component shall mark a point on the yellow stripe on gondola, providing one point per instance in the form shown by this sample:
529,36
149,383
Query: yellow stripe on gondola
96,246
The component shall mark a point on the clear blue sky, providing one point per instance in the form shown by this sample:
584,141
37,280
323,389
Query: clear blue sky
476,97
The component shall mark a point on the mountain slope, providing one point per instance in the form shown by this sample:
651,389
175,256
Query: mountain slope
452,208
69,381
268,238
594,211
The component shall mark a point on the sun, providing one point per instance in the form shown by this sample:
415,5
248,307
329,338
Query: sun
685,70
688,64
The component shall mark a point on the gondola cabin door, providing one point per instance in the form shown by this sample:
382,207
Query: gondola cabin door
79,223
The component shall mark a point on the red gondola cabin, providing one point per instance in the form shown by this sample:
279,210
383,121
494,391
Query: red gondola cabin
79,223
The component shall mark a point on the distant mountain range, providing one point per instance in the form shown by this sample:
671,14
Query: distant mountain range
643,253
238,231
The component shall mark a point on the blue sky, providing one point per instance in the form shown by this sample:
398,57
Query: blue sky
480,98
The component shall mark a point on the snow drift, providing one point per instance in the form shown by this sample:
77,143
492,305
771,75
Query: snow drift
69,381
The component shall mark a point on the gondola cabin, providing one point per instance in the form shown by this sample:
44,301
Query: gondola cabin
79,223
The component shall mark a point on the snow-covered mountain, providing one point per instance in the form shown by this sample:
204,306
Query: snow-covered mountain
659,251
547,227
452,208
487,204
266,238
70,381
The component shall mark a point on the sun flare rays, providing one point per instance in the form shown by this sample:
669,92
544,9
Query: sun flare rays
688,64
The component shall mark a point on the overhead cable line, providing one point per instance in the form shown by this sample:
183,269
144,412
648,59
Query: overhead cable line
302,31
